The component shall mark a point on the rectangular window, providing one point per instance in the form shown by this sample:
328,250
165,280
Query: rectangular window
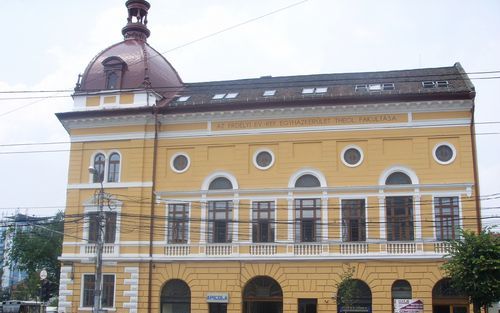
88,290
178,222
217,308
447,218
307,220
108,290
353,220
399,218
109,227
263,221
308,305
219,221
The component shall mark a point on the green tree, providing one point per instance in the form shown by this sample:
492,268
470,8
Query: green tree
35,247
474,267
346,287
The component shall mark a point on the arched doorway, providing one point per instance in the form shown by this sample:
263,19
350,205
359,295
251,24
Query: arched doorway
262,294
175,297
401,289
354,296
446,299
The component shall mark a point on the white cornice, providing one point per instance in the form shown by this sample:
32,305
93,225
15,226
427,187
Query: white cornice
270,113
111,185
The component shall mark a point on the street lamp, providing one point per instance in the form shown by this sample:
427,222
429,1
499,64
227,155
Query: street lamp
99,242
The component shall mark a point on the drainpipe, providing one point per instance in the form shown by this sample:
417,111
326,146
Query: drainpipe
476,174
152,209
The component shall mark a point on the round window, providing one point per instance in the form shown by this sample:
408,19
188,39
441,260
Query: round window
352,156
263,159
180,163
444,153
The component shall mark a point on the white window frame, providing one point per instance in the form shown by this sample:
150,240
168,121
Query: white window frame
86,308
188,241
275,201
90,207
460,218
353,197
254,159
451,146
106,154
172,162
352,147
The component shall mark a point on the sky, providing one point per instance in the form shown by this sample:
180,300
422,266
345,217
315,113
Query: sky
46,44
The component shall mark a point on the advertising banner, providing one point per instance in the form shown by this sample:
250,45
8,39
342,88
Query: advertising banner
408,306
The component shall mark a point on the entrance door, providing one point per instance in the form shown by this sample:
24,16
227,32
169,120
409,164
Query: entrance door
262,295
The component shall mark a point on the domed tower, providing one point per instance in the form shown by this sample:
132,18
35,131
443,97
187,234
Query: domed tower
131,70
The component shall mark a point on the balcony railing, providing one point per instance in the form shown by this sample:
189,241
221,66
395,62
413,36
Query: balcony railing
333,249
107,249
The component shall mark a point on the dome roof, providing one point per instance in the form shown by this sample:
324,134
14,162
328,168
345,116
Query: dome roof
132,63
139,65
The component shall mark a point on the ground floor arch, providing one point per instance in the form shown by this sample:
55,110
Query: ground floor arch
176,297
446,299
354,296
262,294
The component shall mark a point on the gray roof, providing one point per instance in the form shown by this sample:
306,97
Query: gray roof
341,89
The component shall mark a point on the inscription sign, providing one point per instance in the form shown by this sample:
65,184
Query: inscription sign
311,122
213,297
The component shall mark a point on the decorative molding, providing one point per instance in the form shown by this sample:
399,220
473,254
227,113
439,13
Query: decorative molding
133,292
65,279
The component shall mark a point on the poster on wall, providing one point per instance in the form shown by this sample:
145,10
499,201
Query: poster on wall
408,306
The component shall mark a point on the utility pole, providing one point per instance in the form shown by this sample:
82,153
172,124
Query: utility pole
99,243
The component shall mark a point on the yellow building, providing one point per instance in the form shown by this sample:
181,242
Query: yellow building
265,195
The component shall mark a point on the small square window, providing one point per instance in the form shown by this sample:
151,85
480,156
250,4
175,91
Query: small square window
183,98
375,87
231,95
219,96
428,84
269,93
442,83
321,89
361,88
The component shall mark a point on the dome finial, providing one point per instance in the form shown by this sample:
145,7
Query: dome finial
137,20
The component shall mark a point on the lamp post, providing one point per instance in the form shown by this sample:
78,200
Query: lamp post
99,243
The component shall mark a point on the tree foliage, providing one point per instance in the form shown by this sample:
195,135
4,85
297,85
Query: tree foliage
474,267
346,287
37,247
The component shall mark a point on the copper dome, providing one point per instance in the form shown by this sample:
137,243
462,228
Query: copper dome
132,63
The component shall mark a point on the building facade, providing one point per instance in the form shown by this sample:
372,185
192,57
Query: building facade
265,195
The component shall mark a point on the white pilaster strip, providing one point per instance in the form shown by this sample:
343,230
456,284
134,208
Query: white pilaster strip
64,280
133,292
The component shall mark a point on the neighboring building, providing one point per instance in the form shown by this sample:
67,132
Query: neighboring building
10,225
257,195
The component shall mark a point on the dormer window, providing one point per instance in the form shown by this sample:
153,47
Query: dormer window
111,80
113,69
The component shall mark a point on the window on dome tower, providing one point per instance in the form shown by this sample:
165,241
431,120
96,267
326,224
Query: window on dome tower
111,80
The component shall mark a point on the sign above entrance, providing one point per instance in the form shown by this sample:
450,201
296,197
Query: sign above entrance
408,306
217,297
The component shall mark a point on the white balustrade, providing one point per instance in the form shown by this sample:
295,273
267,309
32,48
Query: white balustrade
402,247
177,250
309,249
219,249
442,247
107,249
263,249
353,248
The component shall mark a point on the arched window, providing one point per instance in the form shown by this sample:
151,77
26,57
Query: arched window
111,80
398,178
262,294
175,297
445,298
401,289
114,168
354,296
220,183
99,164
307,181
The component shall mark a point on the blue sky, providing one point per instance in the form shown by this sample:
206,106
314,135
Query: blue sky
46,44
